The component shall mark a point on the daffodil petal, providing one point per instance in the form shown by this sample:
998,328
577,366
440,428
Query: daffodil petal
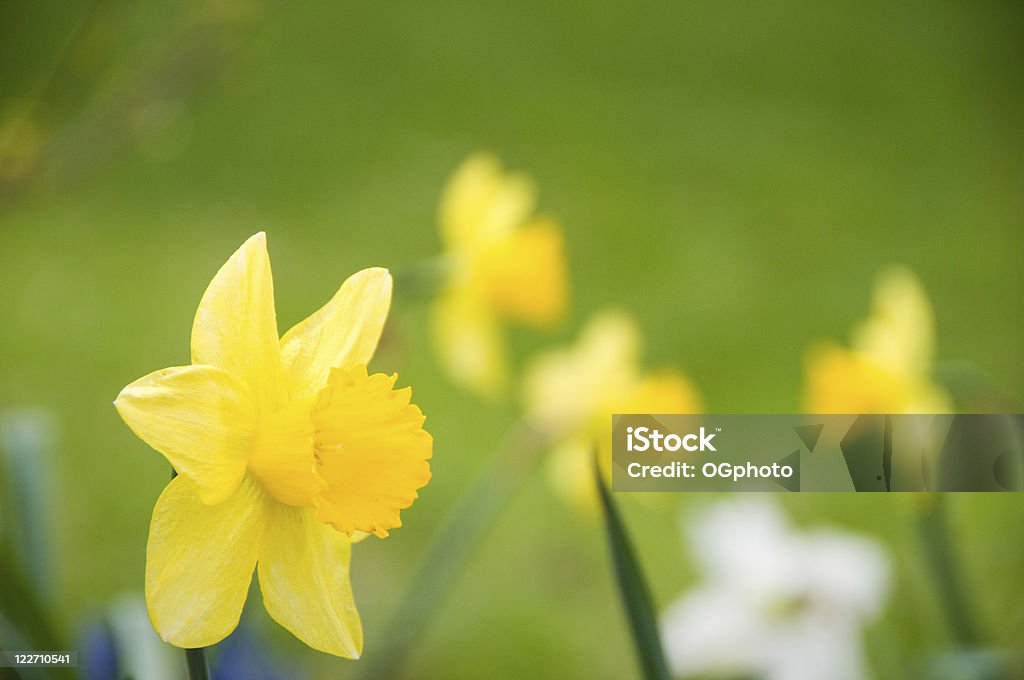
565,389
199,562
900,332
372,451
481,203
304,576
344,332
235,327
201,418
469,342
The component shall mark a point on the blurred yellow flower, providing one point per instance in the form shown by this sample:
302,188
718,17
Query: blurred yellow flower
503,265
284,448
571,394
887,368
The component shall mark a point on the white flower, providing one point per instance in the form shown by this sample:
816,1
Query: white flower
775,602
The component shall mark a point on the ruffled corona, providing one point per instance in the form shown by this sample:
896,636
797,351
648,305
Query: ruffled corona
523,274
371,450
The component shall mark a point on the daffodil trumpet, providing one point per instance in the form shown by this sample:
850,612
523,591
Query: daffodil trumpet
287,451
889,364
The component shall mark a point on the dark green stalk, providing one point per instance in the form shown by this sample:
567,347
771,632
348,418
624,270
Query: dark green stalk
195,659
945,568
633,590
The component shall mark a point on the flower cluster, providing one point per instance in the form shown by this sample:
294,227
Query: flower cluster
287,450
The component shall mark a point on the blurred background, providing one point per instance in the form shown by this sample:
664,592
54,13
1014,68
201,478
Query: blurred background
732,174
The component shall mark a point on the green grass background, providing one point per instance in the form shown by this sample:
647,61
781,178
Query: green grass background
733,174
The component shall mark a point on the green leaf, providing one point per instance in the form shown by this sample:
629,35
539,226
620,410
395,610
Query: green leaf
940,553
632,588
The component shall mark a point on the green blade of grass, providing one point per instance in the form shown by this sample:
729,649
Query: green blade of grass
633,589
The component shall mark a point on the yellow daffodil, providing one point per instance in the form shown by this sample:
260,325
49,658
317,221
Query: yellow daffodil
503,265
571,394
284,448
887,368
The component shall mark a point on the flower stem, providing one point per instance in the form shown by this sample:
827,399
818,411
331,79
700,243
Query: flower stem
422,280
945,568
195,659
